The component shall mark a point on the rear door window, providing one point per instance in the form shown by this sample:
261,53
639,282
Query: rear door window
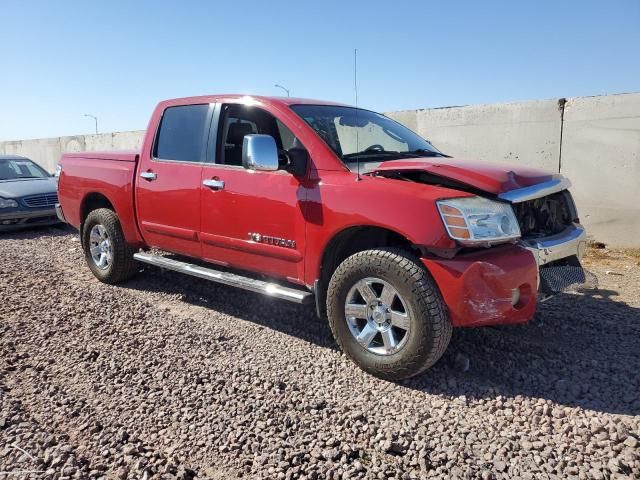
182,133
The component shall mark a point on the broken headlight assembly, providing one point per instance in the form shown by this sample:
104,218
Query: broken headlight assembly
7,203
477,221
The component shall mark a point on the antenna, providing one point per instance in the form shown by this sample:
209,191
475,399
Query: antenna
355,90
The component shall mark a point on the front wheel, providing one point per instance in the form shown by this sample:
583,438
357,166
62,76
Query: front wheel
386,313
108,255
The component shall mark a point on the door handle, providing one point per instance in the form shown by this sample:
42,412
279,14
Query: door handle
214,184
149,176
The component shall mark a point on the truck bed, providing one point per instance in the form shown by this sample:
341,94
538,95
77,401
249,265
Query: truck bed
107,175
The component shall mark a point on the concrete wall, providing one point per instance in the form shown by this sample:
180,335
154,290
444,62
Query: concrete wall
47,151
527,132
601,155
595,141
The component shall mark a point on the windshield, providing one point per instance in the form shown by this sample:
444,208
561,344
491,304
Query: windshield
357,135
17,168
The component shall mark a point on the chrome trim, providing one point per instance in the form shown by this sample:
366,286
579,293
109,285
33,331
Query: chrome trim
571,241
214,184
259,152
149,176
254,285
536,191
59,213
40,200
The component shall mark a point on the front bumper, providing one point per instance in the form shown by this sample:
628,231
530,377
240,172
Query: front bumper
500,285
572,241
18,219
558,258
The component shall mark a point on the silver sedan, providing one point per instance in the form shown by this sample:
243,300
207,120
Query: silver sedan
28,194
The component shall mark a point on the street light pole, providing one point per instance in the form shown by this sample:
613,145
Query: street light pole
95,119
285,89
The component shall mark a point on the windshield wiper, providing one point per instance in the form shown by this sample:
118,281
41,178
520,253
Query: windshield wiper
369,153
420,152
375,153
425,152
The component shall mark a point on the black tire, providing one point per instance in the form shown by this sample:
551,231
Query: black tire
429,330
122,265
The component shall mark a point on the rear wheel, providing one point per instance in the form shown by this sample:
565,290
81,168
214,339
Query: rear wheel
386,313
106,251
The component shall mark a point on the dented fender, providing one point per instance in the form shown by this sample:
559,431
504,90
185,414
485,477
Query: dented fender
491,287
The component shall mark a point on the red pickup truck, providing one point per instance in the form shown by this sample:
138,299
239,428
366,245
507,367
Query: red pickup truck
300,199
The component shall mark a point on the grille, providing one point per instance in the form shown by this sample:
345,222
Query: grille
545,216
41,200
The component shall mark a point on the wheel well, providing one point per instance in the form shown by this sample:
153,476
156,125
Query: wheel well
349,242
92,202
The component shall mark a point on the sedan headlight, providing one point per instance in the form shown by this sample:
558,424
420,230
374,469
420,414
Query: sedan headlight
474,221
7,203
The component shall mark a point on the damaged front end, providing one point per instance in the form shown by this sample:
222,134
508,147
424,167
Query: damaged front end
551,230
501,284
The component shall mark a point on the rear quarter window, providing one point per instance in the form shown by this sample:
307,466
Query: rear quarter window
182,133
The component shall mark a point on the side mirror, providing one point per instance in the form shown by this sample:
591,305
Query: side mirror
259,152
298,160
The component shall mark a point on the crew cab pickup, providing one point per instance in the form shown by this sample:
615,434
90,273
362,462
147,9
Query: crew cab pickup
300,200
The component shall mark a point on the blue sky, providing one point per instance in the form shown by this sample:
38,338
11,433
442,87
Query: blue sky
117,59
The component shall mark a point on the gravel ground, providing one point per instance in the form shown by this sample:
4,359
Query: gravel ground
171,377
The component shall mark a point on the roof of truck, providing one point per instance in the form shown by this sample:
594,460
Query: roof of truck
254,98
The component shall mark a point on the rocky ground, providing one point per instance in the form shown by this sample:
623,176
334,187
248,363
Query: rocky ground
172,377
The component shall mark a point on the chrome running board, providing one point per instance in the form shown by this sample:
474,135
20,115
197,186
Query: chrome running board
259,286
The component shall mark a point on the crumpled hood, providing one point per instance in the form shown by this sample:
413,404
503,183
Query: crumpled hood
27,186
493,178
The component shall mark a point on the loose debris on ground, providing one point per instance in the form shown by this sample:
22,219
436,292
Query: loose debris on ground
171,377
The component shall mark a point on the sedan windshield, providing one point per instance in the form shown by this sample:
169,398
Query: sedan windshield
357,135
18,168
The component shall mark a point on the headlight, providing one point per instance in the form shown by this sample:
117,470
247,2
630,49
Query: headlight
7,203
478,221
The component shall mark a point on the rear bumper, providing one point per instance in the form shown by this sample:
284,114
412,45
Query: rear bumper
500,285
60,213
480,288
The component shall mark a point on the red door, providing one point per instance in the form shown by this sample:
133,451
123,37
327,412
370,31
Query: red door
254,221
168,190
251,220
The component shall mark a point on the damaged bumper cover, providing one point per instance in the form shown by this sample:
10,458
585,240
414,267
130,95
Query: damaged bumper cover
497,286
501,285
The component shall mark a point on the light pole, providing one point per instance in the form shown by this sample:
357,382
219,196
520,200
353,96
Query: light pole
95,119
285,89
